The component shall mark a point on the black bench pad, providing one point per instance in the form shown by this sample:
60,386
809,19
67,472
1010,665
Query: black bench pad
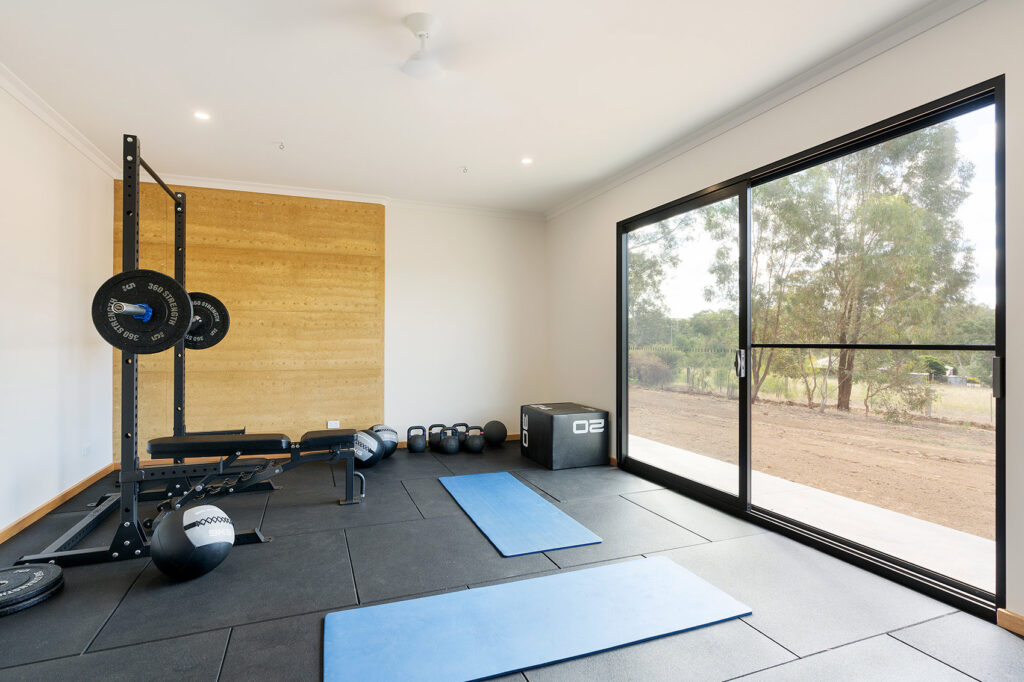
327,438
219,445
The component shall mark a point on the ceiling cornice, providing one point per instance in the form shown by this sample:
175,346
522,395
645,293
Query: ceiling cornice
265,188
505,213
28,98
912,25
339,195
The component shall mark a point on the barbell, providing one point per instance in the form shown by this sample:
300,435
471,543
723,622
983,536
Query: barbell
144,311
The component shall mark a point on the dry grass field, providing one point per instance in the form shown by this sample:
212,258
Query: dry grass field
934,469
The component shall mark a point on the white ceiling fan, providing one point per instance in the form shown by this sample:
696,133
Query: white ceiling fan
422,64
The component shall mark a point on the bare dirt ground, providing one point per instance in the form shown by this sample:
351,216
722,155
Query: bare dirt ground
939,472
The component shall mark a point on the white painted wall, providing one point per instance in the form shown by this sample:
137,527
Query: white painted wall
55,384
465,318
974,46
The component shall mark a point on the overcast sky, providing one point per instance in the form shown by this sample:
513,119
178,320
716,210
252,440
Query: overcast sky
684,288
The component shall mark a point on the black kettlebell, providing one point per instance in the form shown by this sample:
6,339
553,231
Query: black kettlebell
449,441
461,429
434,437
474,441
416,442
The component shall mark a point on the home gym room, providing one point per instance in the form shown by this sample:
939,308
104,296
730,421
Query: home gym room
390,340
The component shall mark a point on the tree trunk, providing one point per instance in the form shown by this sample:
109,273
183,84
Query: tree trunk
844,379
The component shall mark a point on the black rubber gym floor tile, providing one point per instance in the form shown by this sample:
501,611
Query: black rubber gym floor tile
596,481
879,658
804,599
284,648
64,624
318,509
505,457
310,475
624,528
402,465
280,649
551,571
712,653
431,554
292,574
434,500
976,647
37,536
195,657
699,518
431,498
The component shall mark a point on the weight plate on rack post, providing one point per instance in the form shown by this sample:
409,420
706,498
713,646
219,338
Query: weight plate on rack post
210,321
168,304
27,585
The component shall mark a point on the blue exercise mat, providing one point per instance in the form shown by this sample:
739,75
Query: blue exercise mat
487,631
514,518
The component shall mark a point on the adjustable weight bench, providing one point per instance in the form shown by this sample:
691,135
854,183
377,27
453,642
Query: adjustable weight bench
331,446
227,475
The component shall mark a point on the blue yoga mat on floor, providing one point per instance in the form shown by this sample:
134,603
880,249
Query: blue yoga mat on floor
514,518
487,631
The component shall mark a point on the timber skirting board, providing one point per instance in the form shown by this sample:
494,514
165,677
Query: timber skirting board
47,507
1014,622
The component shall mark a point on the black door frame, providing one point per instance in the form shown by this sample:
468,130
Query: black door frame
957,593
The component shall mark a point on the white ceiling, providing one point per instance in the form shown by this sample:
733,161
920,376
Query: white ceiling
585,87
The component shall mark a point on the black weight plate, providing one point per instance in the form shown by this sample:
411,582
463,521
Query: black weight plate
22,605
210,321
172,311
23,586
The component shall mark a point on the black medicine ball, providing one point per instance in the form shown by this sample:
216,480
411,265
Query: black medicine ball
389,436
192,542
495,432
369,449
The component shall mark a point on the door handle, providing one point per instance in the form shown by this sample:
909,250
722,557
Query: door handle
739,363
997,377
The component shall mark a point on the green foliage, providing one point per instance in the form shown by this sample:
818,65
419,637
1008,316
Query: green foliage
778,386
672,357
866,248
647,369
898,406
932,365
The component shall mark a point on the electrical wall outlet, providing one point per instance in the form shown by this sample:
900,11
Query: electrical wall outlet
333,424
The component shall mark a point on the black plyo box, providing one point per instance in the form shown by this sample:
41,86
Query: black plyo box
563,435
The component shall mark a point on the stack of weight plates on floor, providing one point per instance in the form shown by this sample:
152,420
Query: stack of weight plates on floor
25,586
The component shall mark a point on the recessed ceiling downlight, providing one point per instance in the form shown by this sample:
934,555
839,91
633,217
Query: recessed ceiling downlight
527,161
201,115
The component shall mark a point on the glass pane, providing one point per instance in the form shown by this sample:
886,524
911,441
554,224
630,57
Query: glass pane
683,331
894,244
908,470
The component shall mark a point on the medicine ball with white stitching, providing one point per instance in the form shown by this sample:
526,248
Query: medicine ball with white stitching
369,449
389,436
191,542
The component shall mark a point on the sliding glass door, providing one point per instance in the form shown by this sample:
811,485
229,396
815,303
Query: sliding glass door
818,345
874,327
686,400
